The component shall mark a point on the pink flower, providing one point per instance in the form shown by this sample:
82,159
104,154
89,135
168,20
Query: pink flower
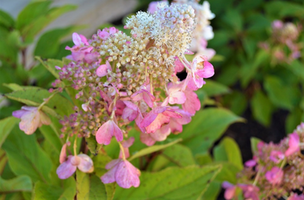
102,70
144,95
103,34
81,50
130,112
276,156
250,163
192,103
107,131
83,162
31,119
277,24
175,94
126,144
123,172
296,197
179,66
229,190
159,135
294,144
275,175
159,116
153,6
250,191
200,69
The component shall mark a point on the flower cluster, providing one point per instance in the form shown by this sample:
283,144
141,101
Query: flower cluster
202,32
119,79
284,45
276,170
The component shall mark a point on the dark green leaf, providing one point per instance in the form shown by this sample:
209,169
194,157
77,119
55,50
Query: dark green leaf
6,20
6,126
212,88
261,108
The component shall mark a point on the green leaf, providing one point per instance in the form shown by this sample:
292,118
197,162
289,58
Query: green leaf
294,118
171,183
228,150
297,68
92,144
52,136
44,191
261,108
203,158
254,144
3,161
212,88
25,156
6,126
100,162
34,96
48,44
20,183
281,9
206,127
176,154
212,191
50,65
233,19
30,29
280,94
6,19
13,86
89,187
31,12
152,149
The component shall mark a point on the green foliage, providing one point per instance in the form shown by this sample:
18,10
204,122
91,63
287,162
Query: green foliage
172,183
18,184
6,126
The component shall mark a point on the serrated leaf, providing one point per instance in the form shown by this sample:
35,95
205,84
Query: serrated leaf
43,191
34,96
206,127
89,187
152,149
25,156
261,108
228,150
171,183
6,126
20,183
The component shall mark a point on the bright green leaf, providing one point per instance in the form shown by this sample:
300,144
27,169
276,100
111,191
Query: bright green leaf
6,20
152,149
212,88
206,127
20,183
89,187
50,65
228,150
171,183
254,144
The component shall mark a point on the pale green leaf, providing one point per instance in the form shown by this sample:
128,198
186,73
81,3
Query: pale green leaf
6,126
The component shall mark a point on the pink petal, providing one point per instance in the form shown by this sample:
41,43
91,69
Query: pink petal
275,175
192,103
19,113
66,169
294,144
105,133
109,177
30,121
63,156
77,39
207,70
112,164
85,164
102,70
177,97
147,139
44,119
162,133
127,175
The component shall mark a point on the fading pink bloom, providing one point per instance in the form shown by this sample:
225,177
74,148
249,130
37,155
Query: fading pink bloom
179,66
175,124
83,162
123,172
113,30
229,190
277,24
102,70
31,119
144,95
126,144
250,191
120,107
130,112
175,94
200,69
296,197
294,144
107,131
275,175
153,6
159,116
192,103
63,156
81,50
103,34
159,135
276,156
